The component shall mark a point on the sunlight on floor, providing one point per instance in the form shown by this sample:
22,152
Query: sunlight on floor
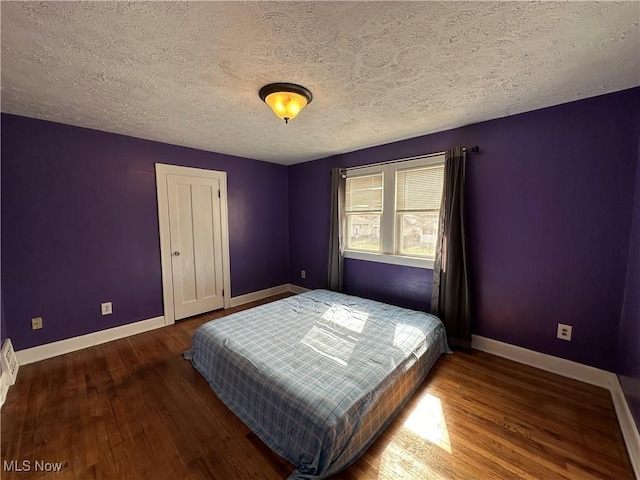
408,458
399,464
427,421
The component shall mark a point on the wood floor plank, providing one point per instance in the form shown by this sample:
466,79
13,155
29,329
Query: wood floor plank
135,409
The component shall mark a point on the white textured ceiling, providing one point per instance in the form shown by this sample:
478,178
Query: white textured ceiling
188,73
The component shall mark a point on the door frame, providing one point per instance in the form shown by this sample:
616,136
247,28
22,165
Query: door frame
162,170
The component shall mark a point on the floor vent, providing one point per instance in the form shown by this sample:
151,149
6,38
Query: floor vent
9,361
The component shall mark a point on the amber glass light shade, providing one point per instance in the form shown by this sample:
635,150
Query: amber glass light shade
285,99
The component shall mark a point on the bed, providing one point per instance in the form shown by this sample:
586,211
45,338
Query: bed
318,376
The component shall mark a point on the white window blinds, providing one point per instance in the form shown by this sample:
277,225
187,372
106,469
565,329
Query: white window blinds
419,189
364,194
392,211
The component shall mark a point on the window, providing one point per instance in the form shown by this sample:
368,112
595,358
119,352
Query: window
392,211
363,209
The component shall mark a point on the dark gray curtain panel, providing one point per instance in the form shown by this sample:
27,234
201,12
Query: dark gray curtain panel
450,299
336,231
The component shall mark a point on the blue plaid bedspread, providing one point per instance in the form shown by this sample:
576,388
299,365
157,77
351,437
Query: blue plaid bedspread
320,375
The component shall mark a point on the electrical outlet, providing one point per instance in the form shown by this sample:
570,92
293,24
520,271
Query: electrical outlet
564,332
303,274
106,308
36,323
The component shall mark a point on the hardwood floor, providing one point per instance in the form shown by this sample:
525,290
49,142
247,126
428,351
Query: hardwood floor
134,409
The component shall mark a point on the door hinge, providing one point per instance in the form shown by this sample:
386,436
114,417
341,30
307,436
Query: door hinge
223,292
218,193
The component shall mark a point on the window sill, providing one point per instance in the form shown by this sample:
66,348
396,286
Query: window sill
390,259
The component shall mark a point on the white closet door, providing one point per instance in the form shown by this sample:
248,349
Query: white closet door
196,244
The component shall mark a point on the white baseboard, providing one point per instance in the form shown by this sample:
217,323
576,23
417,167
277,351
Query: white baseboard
627,425
577,371
549,363
259,295
297,289
267,292
49,350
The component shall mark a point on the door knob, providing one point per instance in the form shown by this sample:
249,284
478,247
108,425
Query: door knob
176,254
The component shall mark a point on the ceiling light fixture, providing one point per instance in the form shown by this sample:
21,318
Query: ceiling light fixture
285,99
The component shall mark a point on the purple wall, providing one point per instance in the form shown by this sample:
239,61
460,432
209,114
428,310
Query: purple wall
549,207
550,201
407,287
80,226
3,326
629,343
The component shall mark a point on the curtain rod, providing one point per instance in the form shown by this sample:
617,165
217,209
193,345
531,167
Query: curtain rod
474,149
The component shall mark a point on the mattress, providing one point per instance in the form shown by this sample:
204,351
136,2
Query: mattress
318,376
